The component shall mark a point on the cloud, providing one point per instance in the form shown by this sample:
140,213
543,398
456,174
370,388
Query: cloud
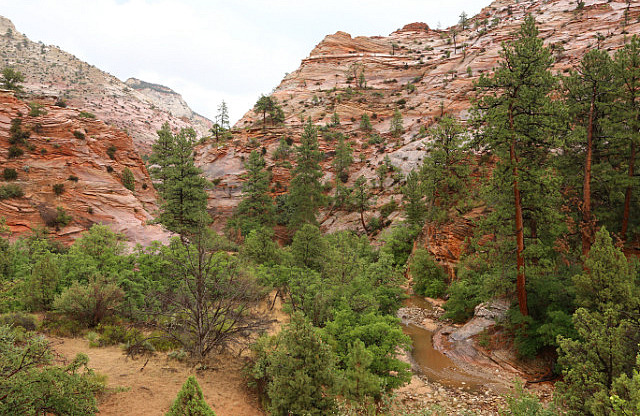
213,50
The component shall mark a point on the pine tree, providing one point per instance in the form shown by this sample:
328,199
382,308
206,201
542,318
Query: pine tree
397,127
180,182
590,96
608,334
128,181
360,199
413,194
297,367
190,401
516,114
42,284
256,210
306,191
342,160
365,123
222,118
627,68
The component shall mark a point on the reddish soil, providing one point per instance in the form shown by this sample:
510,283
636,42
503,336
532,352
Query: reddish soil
150,388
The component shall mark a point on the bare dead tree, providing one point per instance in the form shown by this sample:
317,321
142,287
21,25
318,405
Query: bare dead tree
211,303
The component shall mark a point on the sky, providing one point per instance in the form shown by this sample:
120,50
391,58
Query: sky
214,50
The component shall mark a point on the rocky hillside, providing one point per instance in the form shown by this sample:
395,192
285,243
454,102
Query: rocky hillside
136,107
419,71
69,169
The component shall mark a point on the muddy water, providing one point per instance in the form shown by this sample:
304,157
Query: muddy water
432,363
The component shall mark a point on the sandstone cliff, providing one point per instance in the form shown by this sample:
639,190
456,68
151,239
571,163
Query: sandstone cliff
50,71
423,73
82,159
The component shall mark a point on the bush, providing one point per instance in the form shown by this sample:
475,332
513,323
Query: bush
79,135
11,191
117,334
19,319
128,180
86,114
111,152
73,178
61,103
190,401
15,151
36,110
89,303
58,188
9,174
18,136
429,278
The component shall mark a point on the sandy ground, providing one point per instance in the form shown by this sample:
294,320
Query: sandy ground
151,390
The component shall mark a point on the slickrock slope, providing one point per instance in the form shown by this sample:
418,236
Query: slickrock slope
423,73
50,71
65,148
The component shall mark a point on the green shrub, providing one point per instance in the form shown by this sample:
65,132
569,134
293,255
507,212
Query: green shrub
15,151
18,136
36,110
388,208
111,152
89,303
11,191
117,334
429,278
58,188
19,319
73,178
9,174
86,114
79,135
190,401
128,180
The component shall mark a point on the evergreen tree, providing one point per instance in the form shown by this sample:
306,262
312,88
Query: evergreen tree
43,282
627,69
365,123
190,401
128,181
397,127
413,198
180,182
296,368
222,118
342,160
608,334
590,93
335,119
516,114
305,190
360,199
269,105
11,79
257,209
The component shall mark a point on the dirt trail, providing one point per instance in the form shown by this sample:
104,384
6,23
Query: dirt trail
152,389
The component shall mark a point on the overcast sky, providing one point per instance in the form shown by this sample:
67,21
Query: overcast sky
214,50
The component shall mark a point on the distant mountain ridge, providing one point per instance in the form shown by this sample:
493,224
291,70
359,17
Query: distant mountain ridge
138,107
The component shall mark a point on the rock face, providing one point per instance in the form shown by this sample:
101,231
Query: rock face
50,71
419,71
83,159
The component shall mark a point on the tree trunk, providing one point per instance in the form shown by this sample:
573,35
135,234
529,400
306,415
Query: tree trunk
521,290
364,225
627,196
587,226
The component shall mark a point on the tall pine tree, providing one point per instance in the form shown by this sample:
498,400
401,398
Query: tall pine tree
179,181
517,125
256,209
306,196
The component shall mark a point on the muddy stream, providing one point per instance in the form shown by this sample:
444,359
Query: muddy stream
431,363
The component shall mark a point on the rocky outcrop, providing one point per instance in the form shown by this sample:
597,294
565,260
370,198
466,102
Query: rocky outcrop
75,163
51,72
163,97
419,71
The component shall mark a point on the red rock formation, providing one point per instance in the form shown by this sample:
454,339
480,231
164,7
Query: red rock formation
423,76
135,108
66,148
